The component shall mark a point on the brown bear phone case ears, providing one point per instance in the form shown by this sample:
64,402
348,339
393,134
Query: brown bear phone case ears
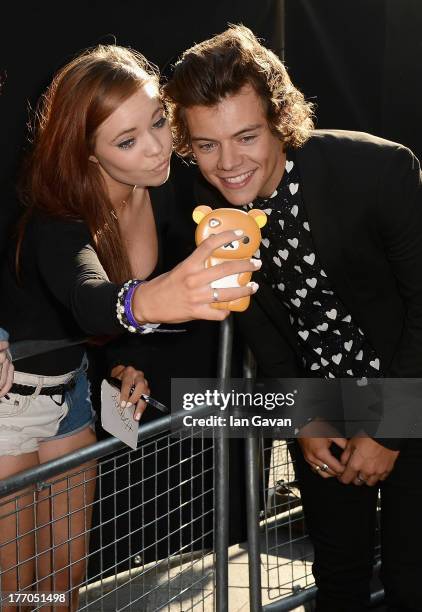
259,216
200,212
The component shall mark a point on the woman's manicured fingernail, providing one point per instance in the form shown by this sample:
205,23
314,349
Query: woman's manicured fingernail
239,232
253,286
123,404
137,417
256,262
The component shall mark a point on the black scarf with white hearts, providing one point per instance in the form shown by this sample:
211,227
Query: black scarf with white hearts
329,341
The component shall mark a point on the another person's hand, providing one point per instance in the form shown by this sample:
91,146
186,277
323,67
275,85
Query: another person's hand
133,385
316,450
185,293
6,368
366,461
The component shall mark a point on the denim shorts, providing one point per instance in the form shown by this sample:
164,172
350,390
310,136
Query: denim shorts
27,421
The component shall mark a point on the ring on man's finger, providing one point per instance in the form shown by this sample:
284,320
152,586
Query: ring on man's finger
316,468
324,467
215,295
360,478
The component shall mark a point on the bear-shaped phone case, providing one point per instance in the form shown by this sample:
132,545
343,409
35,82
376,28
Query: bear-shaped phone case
220,220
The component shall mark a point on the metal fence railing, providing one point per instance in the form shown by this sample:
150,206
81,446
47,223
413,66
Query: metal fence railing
148,530
144,542
288,552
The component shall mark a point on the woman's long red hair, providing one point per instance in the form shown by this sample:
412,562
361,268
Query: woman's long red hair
58,178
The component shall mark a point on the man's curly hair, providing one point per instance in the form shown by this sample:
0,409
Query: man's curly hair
211,70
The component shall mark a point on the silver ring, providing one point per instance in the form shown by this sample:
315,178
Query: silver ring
317,468
215,295
324,467
360,479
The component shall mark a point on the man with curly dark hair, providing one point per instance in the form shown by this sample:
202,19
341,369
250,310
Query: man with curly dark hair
340,293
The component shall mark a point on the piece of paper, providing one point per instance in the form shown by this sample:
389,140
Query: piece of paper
117,420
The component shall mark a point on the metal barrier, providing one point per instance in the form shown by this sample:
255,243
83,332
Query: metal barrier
146,541
145,552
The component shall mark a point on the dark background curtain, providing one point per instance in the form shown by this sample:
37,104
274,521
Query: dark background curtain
359,61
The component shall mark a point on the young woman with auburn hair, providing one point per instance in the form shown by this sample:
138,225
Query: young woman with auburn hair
86,262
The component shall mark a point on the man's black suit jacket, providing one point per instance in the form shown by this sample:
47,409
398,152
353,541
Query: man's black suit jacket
363,198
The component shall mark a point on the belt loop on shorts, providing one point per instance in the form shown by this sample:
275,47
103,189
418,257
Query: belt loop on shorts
38,387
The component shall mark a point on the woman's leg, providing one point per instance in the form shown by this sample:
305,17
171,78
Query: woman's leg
17,519
64,515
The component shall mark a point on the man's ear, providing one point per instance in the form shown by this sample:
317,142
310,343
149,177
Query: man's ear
259,216
200,212
93,159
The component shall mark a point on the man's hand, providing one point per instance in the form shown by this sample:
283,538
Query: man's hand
317,450
6,369
366,461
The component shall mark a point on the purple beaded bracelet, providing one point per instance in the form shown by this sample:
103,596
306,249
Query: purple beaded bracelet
124,309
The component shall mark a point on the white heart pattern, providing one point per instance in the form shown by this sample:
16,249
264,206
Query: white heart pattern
375,364
316,303
293,242
348,345
322,327
327,292
310,259
331,314
323,274
318,350
289,165
315,366
294,210
347,319
277,261
304,334
306,226
265,242
298,269
281,286
291,319
268,211
293,187
281,223
274,193
301,323
349,372
257,254
295,302
337,358
324,361
311,282
359,355
284,253
330,375
301,292
336,331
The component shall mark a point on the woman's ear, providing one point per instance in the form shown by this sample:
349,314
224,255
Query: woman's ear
93,159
